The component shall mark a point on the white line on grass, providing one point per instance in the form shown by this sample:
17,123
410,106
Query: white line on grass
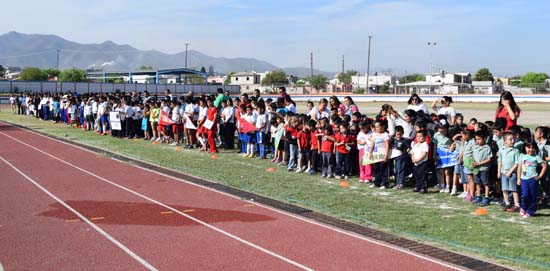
83,218
165,206
352,234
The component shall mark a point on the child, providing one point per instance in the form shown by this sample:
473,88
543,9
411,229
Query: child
278,141
212,115
291,134
528,178
304,146
343,146
88,116
541,137
363,145
482,159
456,147
508,159
419,156
400,144
327,151
315,150
250,136
261,129
380,141
468,134
442,141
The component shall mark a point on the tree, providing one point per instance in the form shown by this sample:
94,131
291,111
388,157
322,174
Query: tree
534,78
227,80
411,78
72,75
483,74
203,69
33,74
143,67
318,81
275,78
51,72
2,70
345,78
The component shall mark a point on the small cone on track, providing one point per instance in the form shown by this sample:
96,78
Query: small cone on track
270,169
179,148
344,184
214,156
480,211
136,140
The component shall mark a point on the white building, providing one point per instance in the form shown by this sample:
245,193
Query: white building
440,83
376,80
484,87
12,73
248,81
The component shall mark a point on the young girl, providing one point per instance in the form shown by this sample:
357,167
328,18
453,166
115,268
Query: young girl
145,124
261,129
343,147
380,141
249,138
278,144
528,178
201,131
88,116
467,157
364,144
442,142
327,152
155,115
291,134
304,147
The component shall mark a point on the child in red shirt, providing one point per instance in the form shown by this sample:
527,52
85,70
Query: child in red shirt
304,146
327,152
343,145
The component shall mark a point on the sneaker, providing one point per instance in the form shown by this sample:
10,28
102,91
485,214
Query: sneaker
158,139
485,202
521,211
361,181
338,177
290,169
447,190
311,172
453,192
416,190
382,187
463,195
323,176
331,176
423,191
468,198
506,206
299,170
513,209
397,187
174,144
442,190
526,215
346,177
372,185
476,200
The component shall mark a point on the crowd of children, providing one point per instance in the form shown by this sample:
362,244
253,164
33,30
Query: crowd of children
493,161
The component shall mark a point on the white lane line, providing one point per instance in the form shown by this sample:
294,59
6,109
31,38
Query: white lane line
352,234
1,267
289,261
81,216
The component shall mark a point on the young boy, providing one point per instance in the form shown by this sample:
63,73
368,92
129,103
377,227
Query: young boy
508,159
482,159
343,146
304,146
399,143
419,156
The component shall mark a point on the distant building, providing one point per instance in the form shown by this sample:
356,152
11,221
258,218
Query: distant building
484,87
439,83
211,70
12,73
375,81
504,80
215,79
248,81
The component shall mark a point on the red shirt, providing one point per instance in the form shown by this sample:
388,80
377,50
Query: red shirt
304,140
504,114
327,146
212,111
314,140
341,138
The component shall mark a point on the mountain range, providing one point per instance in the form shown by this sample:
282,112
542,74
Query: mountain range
37,50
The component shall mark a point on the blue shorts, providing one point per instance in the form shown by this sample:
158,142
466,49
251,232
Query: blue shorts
509,184
466,171
459,169
482,177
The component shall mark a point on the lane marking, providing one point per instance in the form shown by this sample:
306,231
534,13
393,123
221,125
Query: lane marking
188,211
262,249
166,213
249,205
1,267
97,218
351,234
83,218
72,220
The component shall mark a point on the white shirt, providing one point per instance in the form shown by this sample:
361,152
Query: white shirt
379,141
291,108
261,120
319,115
176,115
366,137
228,114
87,110
138,113
418,149
418,107
94,107
447,111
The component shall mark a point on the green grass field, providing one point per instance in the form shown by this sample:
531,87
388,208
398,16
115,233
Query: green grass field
437,219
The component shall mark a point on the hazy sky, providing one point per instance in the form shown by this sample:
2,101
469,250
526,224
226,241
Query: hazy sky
508,37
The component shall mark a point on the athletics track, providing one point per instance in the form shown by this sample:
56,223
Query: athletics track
67,208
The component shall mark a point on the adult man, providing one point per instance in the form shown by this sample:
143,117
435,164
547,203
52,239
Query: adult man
219,99
257,95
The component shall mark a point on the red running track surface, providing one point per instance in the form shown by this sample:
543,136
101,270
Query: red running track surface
158,221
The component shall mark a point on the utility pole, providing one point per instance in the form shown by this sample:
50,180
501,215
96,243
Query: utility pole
311,64
343,64
368,66
186,46
431,44
57,62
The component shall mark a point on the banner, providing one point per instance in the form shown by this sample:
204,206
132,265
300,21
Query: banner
379,156
164,119
208,124
246,126
277,138
188,123
114,119
445,158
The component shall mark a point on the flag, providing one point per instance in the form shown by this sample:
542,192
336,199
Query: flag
446,158
246,126
164,119
278,137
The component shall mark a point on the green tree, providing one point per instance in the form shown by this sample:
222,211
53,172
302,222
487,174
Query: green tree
143,67
318,81
534,78
72,75
345,77
411,78
51,72
203,69
2,70
277,77
33,74
483,74
227,80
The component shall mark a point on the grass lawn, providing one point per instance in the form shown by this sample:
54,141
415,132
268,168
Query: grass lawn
437,219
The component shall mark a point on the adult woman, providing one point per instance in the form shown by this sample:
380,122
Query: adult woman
507,109
349,106
416,104
335,103
445,108
320,111
391,117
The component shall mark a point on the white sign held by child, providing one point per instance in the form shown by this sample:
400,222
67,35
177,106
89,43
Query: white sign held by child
379,156
114,119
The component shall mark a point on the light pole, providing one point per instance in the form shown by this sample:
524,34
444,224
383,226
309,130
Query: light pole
431,45
186,46
57,62
368,66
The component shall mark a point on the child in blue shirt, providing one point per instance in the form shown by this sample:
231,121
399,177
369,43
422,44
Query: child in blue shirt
508,159
528,178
